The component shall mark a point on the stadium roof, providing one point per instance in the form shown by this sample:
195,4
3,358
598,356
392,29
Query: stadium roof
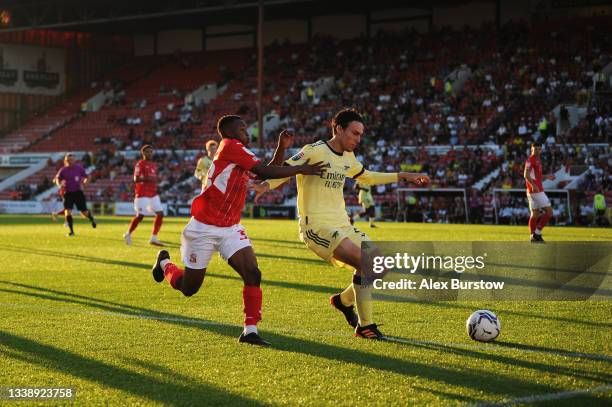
142,16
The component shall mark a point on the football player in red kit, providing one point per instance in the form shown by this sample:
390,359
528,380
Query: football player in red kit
145,180
539,205
215,223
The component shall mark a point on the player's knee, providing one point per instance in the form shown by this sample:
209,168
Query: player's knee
189,291
252,276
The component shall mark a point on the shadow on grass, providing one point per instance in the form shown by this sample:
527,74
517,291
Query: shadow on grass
59,254
553,351
185,392
519,363
297,286
480,380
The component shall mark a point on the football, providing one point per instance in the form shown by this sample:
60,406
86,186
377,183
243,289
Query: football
483,326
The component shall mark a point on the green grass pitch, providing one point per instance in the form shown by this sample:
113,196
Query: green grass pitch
85,313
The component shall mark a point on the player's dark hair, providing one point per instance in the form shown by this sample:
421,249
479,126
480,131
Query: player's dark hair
225,121
344,117
143,148
536,144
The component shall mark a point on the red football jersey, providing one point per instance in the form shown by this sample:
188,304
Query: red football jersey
222,199
534,168
145,168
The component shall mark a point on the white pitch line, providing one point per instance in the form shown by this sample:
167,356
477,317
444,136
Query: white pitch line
201,322
547,397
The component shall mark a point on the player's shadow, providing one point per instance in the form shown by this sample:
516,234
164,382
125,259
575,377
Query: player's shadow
174,390
552,351
479,380
497,358
73,256
298,286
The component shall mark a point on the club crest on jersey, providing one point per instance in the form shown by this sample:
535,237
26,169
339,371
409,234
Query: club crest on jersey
346,167
193,258
297,156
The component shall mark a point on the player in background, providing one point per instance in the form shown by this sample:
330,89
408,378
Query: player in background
324,225
539,205
145,181
70,178
215,223
366,201
204,163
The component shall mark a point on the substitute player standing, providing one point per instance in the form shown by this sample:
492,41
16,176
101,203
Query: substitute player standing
147,199
70,179
204,163
323,222
366,201
539,205
215,223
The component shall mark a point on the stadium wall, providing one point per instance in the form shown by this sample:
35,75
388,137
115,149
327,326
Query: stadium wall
341,26
187,40
32,70
472,15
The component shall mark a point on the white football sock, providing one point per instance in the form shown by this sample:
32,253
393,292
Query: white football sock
163,263
538,231
249,329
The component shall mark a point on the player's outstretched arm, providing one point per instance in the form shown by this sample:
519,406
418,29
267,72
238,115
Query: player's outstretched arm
376,178
285,141
274,172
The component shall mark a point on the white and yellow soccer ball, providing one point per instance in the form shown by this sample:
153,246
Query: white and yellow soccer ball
483,326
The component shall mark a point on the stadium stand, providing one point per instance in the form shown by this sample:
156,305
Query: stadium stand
405,84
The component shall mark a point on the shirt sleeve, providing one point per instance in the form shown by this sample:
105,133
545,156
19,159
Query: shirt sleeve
376,178
237,153
137,170
356,169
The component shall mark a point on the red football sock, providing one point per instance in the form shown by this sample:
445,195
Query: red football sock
543,220
134,223
174,275
252,298
532,224
158,223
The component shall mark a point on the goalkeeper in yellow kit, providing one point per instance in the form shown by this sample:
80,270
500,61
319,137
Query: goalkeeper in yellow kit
323,222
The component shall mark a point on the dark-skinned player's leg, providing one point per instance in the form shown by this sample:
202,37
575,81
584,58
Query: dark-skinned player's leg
245,264
157,224
188,280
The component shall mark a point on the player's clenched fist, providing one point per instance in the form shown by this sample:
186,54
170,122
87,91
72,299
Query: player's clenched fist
415,178
285,139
